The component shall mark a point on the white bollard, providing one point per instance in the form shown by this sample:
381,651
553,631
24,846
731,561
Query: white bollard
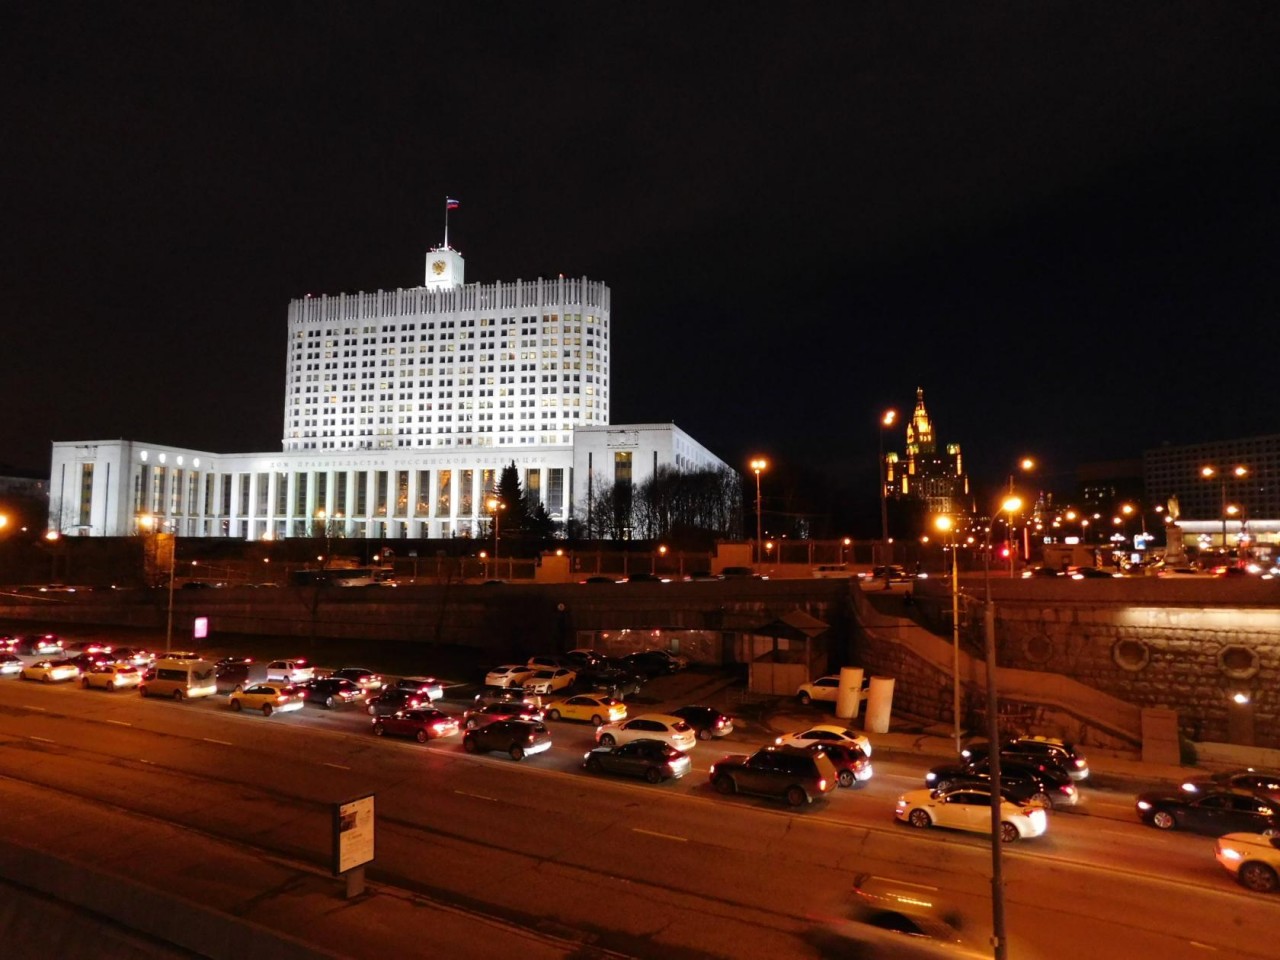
879,705
849,693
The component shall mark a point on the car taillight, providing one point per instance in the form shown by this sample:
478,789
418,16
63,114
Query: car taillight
1079,763
1068,789
283,698
720,722
822,784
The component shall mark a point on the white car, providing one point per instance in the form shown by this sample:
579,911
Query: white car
268,697
10,664
549,681
1252,858
290,671
824,689
825,733
649,726
969,808
508,675
112,676
50,671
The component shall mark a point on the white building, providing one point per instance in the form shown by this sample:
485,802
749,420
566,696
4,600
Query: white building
401,410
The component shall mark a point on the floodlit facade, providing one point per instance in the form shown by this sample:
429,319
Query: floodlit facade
401,410
922,473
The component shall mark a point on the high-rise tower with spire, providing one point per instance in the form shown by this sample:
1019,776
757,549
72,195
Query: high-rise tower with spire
924,479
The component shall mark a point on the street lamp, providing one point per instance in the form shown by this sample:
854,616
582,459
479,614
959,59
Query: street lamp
1010,505
945,524
845,544
496,507
1209,472
758,466
882,470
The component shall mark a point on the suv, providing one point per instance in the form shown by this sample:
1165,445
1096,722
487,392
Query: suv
794,774
289,671
1046,750
1022,779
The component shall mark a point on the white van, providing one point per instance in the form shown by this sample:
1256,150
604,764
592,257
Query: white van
180,678
833,571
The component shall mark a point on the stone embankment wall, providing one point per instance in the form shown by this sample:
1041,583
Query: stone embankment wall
1208,649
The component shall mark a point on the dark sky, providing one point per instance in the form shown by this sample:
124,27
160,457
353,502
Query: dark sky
1060,219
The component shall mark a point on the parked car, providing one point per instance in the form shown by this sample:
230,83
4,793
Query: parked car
655,663
516,738
547,662
824,689
482,714
1262,782
969,808
707,722
1253,858
652,726
366,680
50,671
1022,779
508,675
795,775
853,767
422,724
543,682
613,677
824,732
1049,750
330,692
111,676
268,697
590,708
584,658
429,687
652,759
1214,812
290,671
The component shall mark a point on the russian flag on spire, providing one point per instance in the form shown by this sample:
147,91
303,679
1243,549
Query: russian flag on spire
450,203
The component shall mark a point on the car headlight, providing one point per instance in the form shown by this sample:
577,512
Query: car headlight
930,777
1143,805
1231,853
1190,788
1038,818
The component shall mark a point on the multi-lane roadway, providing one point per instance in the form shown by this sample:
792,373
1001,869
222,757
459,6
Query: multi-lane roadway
673,870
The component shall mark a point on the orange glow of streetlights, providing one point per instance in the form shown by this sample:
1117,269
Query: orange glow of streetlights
758,466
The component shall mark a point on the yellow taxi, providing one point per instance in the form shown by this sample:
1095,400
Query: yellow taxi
587,706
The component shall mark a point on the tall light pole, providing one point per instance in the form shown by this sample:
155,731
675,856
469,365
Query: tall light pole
947,525
496,507
887,419
1209,472
758,466
1011,505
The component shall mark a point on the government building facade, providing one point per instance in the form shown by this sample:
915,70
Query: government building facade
401,410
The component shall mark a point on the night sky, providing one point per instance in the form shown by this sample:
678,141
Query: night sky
1059,219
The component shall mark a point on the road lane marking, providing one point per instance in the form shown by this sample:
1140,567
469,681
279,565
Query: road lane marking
477,796
41,709
150,763
1203,946
225,743
120,723
43,739
336,766
664,836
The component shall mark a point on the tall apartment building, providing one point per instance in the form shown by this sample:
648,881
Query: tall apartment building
401,410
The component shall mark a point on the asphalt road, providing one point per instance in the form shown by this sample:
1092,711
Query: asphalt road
667,871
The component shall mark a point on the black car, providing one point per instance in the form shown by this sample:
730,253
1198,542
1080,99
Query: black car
612,678
1265,783
653,663
707,722
652,759
1021,780
232,672
365,679
330,692
39,645
391,700
1214,812
1047,750
516,738
795,774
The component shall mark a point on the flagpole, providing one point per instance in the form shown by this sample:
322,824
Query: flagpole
446,223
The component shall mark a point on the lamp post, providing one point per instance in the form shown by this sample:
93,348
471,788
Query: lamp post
1209,472
882,471
496,506
945,524
758,466
1010,505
